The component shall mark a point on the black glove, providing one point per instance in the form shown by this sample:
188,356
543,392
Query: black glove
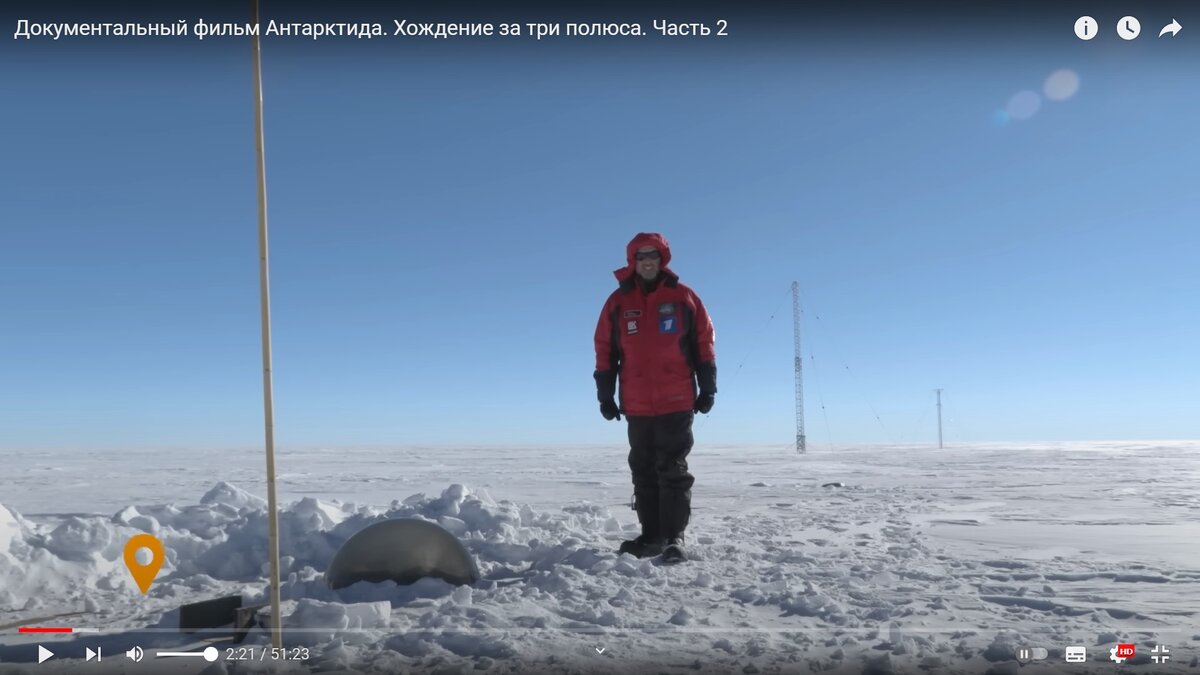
606,385
706,378
606,393
610,410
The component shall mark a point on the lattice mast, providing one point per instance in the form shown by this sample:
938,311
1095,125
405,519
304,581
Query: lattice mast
939,404
801,441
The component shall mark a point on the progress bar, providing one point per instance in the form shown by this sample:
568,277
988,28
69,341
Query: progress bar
56,629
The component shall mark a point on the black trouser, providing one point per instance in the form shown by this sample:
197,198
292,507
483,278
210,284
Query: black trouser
662,486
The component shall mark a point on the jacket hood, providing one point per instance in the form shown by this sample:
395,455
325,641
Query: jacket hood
640,240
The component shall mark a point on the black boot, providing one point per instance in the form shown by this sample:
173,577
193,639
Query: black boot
644,546
650,542
674,551
675,483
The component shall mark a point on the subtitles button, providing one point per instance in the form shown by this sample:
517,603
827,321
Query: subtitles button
1076,654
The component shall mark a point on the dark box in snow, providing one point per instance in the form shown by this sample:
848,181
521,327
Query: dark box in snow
209,614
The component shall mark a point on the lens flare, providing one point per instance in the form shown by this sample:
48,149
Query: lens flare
1024,105
1061,85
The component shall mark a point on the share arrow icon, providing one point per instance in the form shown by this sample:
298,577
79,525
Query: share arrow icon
1173,28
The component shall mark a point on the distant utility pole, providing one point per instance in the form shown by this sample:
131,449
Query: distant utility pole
939,394
801,445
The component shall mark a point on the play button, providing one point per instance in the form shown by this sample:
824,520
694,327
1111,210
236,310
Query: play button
44,654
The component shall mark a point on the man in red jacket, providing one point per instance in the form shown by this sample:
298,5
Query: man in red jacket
655,336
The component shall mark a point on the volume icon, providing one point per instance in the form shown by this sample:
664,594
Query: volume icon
135,654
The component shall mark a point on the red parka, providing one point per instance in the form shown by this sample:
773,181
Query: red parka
657,341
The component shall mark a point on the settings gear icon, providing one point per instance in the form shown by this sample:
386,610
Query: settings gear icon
1112,654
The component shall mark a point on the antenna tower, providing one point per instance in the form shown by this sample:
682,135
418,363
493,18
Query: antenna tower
939,403
801,444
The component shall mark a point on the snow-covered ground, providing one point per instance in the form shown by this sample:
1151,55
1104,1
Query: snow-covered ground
845,560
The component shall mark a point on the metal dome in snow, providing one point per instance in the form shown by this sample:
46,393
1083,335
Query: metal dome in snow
402,550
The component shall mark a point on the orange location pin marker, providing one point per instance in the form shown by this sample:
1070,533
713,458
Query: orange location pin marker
144,574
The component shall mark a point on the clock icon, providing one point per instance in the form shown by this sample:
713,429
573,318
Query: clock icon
1129,27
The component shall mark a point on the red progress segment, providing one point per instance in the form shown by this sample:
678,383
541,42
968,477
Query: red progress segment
34,629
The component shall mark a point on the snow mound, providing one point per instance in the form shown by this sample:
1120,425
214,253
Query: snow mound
224,493
316,621
13,530
79,539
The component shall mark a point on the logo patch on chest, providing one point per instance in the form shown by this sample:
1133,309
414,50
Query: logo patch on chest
632,313
631,327
668,322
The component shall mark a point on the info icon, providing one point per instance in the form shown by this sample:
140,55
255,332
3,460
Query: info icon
1086,28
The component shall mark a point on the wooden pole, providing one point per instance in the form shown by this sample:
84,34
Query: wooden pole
265,302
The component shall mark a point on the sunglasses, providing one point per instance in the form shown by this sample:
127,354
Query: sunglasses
650,255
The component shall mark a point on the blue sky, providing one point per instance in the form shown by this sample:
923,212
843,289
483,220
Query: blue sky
445,220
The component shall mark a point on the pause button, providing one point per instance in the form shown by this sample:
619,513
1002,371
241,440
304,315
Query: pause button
1027,654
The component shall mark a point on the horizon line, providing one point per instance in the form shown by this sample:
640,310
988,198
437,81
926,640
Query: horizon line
319,447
